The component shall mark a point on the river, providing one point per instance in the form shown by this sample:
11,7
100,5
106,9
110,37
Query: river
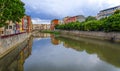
46,52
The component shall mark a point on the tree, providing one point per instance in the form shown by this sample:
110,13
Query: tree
112,23
94,25
11,10
117,12
90,18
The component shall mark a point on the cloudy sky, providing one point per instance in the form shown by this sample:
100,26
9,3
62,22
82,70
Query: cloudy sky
42,11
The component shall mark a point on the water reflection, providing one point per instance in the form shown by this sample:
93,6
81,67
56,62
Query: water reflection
63,54
41,35
106,51
14,61
53,40
50,53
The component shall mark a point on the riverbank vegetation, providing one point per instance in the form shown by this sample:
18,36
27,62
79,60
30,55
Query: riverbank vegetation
108,24
49,31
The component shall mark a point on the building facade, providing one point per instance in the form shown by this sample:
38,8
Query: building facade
11,28
79,18
107,12
53,24
41,26
70,19
25,25
1,31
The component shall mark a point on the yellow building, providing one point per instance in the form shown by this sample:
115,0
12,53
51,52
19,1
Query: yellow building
21,26
1,31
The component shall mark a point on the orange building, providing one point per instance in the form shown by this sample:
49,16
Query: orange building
54,23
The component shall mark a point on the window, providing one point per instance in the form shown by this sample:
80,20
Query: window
10,27
2,32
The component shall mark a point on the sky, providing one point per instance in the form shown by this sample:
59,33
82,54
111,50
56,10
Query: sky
43,11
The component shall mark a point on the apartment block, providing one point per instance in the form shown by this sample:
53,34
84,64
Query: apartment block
107,12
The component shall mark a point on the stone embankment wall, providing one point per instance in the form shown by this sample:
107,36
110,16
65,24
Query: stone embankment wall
9,43
113,36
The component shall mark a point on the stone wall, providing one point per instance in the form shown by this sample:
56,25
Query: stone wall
8,43
113,36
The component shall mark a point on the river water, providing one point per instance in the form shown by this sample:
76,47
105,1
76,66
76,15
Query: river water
48,53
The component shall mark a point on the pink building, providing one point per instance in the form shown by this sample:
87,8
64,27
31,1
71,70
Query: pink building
79,18
71,19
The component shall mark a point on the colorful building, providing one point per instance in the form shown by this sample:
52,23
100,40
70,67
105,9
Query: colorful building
107,12
27,24
79,18
70,19
17,27
2,31
21,26
41,26
54,23
11,28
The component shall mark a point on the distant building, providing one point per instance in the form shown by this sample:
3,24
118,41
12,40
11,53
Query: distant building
79,18
107,12
70,19
54,23
65,19
60,22
41,26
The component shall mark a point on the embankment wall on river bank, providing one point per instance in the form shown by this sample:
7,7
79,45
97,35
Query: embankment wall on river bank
113,36
8,43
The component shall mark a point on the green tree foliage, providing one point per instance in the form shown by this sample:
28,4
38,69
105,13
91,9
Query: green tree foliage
112,23
93,26
108,24
11,10
90,18
117,12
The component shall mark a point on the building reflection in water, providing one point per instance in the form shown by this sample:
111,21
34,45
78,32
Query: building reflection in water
54,41
41,35
106,51
46,35
14,61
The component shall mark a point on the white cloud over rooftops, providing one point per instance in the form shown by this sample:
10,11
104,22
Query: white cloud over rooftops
40,21
61,8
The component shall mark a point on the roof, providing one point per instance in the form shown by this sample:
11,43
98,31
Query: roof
110,8
80,16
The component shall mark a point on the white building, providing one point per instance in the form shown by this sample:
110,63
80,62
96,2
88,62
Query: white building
80,18
107,12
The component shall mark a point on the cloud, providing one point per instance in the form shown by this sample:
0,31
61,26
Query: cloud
50,9
40,21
